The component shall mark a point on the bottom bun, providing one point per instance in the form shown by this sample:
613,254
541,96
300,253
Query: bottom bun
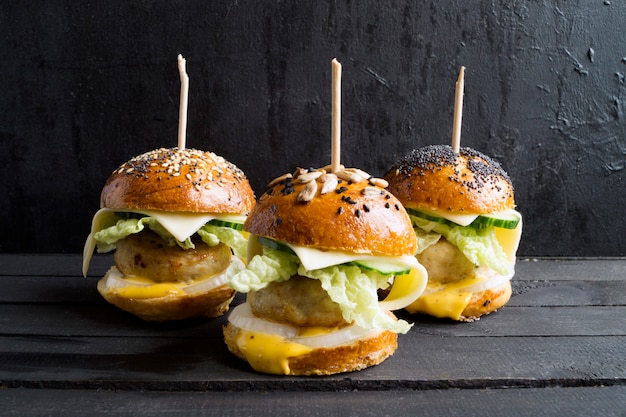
211,303
354,356
486,302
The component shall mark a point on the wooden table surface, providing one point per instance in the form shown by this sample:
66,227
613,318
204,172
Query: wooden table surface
558,348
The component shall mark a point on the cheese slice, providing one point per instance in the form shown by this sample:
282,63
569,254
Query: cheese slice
509,239
312,258
181,225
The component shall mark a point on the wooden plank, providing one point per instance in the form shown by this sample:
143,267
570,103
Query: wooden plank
195,363
568,293
568,269
549,402
102,319
52,264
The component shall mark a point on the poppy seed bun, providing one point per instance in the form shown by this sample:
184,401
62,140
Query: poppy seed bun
437,178
178,180
355,216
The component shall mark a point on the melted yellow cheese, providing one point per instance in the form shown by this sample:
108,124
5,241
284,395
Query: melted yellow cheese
442,304
268,353
151,291
312,331
445,300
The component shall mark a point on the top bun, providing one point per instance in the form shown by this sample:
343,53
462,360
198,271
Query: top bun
437,178
349,211
178,180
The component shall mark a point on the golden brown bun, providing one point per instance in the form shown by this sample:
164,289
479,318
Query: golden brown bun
211,303
178,180
486,302
437,178
357,217
355,356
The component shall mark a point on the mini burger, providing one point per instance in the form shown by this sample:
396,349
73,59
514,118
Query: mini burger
322,247
463,211
174,218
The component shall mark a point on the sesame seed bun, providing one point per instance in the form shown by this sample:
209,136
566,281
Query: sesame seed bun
437,178
172,180
178,180
354,216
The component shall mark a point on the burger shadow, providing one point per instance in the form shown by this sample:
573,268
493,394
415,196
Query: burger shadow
193,345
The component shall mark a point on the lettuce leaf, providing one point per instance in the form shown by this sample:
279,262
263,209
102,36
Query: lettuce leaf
347,285
273,266
212,235
425,239
356,293
479,245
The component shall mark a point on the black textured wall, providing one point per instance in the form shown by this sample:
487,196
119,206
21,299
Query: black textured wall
87,85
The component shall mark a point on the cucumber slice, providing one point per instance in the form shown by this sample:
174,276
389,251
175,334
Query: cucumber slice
506,220
272,244
223,223
381,267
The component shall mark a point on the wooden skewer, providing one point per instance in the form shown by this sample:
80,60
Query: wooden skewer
184,93
336,117
458,111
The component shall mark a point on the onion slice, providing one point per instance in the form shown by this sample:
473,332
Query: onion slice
115,279
486,285
242,317
495,280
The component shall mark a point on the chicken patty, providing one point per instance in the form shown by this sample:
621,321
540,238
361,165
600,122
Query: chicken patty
145,254
299,301
445,263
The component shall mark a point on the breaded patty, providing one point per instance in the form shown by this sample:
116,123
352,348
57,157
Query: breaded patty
145,254
300,301
445,263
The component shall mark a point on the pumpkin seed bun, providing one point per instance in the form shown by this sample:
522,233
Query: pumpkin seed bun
348,210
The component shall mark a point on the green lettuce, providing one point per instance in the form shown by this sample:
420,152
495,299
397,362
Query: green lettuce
273,266
354,290
479,245
212,235
425,239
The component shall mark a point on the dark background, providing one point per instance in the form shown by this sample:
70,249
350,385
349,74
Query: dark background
87,85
